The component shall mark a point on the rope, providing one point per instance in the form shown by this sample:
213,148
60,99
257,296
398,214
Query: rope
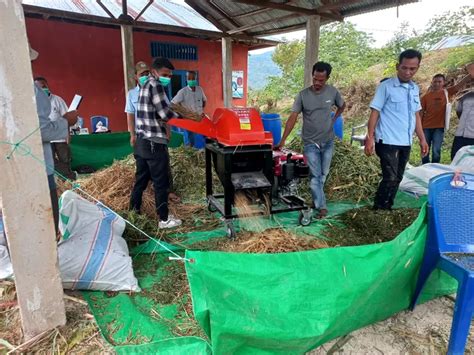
25,150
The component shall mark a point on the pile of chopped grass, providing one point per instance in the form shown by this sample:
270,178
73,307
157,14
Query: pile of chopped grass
352,177
363,226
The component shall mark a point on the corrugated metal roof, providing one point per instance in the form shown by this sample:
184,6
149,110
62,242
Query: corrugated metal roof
160,12
242,19
453,41
257,20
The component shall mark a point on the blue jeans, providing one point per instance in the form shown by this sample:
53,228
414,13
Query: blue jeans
434,138
319,161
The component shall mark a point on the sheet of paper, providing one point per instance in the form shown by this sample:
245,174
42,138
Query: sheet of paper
75,103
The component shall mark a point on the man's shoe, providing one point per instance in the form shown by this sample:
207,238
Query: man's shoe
172,222
322,213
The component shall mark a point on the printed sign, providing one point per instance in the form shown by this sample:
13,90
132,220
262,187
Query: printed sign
237,84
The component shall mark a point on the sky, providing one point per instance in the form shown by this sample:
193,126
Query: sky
382,24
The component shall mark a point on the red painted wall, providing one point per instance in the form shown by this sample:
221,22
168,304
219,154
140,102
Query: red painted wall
87,60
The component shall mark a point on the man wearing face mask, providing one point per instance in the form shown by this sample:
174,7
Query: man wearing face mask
142,71
61,150
192,97
150,148
50,131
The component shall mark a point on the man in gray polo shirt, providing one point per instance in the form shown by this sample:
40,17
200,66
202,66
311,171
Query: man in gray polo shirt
316,103
192,97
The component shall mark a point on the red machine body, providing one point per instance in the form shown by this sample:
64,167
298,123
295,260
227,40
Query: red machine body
229,127
280,157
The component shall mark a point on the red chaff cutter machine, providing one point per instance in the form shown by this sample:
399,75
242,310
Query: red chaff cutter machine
241,152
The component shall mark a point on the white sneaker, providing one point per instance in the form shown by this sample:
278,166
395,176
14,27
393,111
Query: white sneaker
172,222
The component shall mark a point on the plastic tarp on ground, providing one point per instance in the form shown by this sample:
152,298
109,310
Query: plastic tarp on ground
272,303
415,180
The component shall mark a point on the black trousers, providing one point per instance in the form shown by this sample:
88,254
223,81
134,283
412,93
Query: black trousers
460,142
393,160
62,159
152,163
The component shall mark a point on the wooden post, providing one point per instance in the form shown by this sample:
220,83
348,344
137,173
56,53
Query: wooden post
24,189
311,48
227,70
127,55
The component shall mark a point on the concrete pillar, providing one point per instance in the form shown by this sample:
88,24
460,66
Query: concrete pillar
311,47
23,184
227,70
127,55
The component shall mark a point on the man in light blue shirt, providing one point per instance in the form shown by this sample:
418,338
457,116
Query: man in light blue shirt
142,71
393,120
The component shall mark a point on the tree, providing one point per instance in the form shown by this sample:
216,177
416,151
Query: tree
460,22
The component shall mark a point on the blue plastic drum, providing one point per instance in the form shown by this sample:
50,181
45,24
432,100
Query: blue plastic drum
272,123
338,126
199,141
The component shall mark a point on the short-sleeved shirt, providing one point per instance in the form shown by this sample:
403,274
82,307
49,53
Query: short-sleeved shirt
397,104
132,101
433,105
58,110
316,108
466,121
193,100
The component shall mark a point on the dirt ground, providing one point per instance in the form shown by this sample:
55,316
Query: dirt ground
424,331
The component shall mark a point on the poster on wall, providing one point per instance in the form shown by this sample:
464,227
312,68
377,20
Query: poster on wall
237,84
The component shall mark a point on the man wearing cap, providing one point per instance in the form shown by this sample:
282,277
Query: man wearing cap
60,147
142,71
50,131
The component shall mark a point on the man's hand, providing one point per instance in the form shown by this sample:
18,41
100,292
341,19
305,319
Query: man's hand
369,146
279,145
425,149
133,139
71,117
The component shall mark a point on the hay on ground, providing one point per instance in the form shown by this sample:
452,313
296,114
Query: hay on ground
362,226
352,177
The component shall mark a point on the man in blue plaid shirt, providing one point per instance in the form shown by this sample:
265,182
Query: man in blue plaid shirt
150,150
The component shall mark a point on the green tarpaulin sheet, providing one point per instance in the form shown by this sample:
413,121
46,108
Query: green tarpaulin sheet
270,303
290,303
100,150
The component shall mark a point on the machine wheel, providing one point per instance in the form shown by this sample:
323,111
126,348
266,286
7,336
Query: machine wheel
230,230
305,217
211,208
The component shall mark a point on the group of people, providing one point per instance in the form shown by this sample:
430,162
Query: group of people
148,110
397,112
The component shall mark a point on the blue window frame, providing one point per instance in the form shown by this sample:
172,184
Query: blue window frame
174,51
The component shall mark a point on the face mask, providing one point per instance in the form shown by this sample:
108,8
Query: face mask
164,80
46,91
142,80
192,83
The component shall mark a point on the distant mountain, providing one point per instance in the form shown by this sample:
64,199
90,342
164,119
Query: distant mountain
261,66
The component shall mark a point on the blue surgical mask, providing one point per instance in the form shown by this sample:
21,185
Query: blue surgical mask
192,83
142,80
46,91
164,80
